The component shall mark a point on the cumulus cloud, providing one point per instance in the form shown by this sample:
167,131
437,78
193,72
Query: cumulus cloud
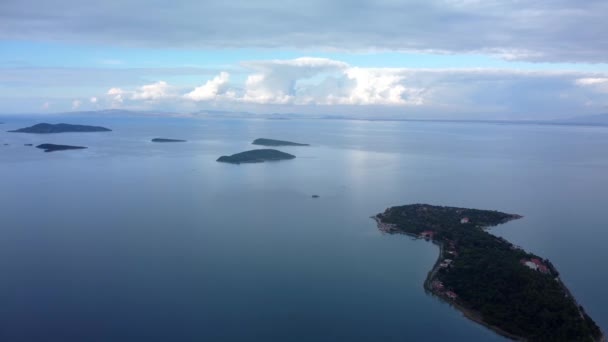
93,100
378,86
599,84
300,81
211,89
281,81
76,104
150,92
323,83
116,95
153,92
547,30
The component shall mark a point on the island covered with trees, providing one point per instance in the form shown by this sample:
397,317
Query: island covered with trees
273,142
165,140
55,147
256,156
46,128
493,282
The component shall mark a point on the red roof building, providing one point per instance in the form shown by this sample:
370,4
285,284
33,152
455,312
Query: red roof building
536,264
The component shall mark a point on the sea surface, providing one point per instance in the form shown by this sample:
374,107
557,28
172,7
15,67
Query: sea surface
131,240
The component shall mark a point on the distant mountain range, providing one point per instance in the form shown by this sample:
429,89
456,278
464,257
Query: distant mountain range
592,120
599,119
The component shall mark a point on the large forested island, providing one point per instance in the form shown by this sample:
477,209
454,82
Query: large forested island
256,156
493,282
46,128
273,142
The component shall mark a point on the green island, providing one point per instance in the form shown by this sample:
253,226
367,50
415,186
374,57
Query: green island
256,156
493,282
46,128
273,142
165,140
55,147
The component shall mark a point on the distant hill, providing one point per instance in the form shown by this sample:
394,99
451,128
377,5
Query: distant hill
599,119
46,128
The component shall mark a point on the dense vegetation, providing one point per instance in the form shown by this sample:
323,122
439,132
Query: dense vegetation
256,156
489,278
165,140
54,147
45,128
273,142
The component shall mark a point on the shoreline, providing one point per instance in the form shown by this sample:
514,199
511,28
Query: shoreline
388,228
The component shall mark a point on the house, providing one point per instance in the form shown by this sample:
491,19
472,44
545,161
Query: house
437,285
540,265
536,264
427,234
464,220
451,295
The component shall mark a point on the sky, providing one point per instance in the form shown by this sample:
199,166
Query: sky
446,59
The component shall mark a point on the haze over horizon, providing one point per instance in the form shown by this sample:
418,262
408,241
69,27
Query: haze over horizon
440,59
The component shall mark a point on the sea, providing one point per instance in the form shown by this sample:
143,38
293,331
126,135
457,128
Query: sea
131,240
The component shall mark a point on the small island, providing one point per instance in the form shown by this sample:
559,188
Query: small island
493,282
46,128
272,142
256,156
54,147
164,140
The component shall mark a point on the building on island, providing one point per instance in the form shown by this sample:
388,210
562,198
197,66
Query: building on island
427,234
536,264
451,295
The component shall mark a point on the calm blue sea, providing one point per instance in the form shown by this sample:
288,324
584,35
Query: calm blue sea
135,241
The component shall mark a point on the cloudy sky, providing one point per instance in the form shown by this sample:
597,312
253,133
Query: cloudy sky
457,59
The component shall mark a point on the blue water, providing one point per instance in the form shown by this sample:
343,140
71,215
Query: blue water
135,241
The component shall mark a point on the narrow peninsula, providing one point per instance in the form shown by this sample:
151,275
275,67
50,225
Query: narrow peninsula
256,156
46,128
54,147
273,142
164,140
493,282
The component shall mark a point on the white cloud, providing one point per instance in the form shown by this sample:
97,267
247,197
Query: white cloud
592,81
116,95
211,89
599,84
283,81
377,86
319,83
322,81
76,104
150,92
93,100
